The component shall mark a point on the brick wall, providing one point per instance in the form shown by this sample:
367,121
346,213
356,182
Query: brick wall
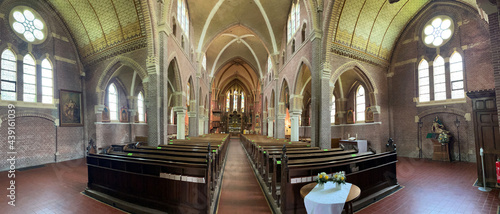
35,130
471,39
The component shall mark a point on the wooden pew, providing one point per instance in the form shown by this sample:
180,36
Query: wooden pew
172,186
300,159
372,173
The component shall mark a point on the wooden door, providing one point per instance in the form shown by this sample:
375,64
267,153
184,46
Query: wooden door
487,137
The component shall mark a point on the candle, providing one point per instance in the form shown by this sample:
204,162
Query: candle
348,136
356,136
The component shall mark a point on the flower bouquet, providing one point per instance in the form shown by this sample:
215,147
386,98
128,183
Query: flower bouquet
339,179
443,138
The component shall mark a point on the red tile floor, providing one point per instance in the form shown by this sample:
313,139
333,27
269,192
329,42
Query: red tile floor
429,187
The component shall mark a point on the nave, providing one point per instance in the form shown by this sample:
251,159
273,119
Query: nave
428,187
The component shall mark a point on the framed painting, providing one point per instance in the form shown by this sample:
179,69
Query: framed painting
123,115
105,114
70,108
350,116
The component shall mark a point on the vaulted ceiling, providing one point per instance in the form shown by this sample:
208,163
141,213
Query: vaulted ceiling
373,26
97,25
246,29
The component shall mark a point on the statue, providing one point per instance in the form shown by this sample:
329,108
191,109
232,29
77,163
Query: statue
438,127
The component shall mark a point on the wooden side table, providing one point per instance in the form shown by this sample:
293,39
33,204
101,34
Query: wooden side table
354,194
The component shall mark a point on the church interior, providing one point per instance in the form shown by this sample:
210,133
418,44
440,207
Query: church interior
235,106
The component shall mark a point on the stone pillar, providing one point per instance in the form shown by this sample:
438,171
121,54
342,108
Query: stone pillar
270,127
325,130
264,123
280,126
193,125
201,125
152,101
181,122
294,117
206,125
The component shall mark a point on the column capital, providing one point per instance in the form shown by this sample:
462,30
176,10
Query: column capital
179,109
296,112
98,109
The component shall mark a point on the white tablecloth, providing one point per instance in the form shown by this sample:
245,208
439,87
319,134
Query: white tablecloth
327,200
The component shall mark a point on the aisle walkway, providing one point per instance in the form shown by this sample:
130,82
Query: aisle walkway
240,192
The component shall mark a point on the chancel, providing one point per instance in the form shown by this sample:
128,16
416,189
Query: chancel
232,106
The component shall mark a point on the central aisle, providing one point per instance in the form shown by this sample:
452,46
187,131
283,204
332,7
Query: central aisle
240,192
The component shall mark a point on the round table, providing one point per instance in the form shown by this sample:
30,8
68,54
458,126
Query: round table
353,195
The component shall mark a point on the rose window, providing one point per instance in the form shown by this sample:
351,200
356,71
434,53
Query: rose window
28,24
438,31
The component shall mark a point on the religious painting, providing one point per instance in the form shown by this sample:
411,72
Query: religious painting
70,108
105,114
123,115
350,116
136,118
369,115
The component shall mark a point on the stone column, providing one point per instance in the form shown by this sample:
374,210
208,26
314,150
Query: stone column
206,123
181,122
98,112
325,130
263,123
270,127
193,125
294,117
201,124
152,102
280,126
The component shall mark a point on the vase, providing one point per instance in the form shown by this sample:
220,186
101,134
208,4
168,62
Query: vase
321,186
338,186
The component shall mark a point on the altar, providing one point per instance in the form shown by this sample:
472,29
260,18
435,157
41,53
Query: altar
234,124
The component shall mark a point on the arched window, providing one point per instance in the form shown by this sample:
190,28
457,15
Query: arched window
140,107
188,94
172,116
113,102
456,76
360,104
228,101
423,82
269,64
293,21
29,79
333,111
183,16
204,62
439,79
242,102
9,76
47,82
235,101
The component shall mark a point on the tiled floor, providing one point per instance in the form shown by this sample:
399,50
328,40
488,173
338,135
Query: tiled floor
436,187
55,188
241,192
430,187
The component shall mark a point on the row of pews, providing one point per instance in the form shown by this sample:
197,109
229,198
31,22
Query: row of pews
284,167
178,177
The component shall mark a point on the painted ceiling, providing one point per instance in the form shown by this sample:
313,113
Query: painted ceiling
373,26
97,25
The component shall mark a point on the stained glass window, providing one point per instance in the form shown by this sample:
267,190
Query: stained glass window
242,102
228,101
360,104
113,102
140,107
9,76
235,101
